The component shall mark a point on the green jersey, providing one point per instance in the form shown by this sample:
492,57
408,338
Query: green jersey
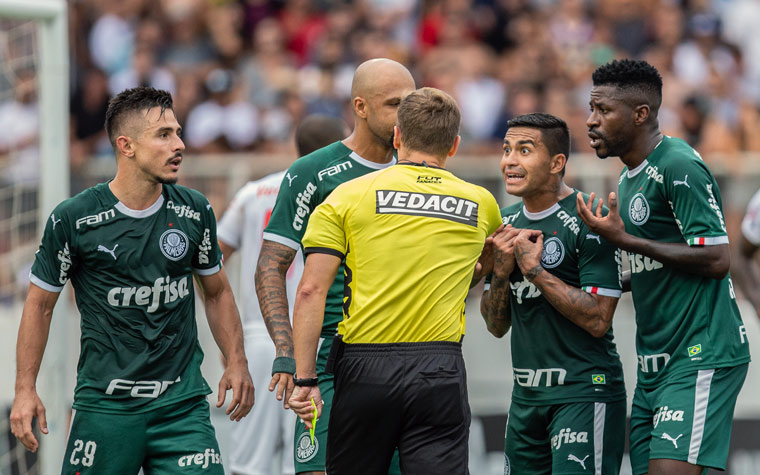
555,361
306,185
132,275
684,322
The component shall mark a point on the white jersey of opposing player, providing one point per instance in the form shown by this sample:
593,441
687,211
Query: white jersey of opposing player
241,227
751,221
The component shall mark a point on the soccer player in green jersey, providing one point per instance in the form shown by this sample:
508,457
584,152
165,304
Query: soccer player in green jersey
377,89
667,215
131,248
556,285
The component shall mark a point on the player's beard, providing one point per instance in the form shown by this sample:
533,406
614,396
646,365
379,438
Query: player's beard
166,181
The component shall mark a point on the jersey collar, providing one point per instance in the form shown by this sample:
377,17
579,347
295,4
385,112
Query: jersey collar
541,214
370,164
141,213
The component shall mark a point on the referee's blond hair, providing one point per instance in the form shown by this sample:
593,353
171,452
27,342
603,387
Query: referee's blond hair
428,120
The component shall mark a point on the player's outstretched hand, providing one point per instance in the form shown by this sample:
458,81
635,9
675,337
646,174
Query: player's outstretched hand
609,227
283,382
300,402
26,406
504,249
237,378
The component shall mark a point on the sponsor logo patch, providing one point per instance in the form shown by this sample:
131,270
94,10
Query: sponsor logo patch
204,459
695,350
554,252
568,436
665,414
64,256
428,179
638,210
96,218
184,211
430,205
598,379
305,451
174,244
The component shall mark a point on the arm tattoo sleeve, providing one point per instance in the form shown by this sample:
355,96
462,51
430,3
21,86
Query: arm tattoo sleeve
273,265
494,306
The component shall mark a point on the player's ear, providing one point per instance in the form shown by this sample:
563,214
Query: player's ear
360,107
125,146
557,163
454,147
396,137
641,114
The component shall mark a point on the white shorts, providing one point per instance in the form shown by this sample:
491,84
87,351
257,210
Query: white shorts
262,442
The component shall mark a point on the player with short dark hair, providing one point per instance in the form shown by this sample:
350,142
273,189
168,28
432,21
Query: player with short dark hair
667,215
263,441
131,247
377,89
410,236
556,285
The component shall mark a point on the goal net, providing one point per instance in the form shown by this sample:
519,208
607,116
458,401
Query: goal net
33,179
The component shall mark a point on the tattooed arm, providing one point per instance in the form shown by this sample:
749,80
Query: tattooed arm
273,265
591,312
494,305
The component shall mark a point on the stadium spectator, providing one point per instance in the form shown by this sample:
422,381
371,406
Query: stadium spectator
264,440
398,351
556,285
378,87
131,248
745,265
225,122
691,343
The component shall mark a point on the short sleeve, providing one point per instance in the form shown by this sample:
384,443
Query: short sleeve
694,197
751,221
493,214
599,265
230,227
207,259
326,232
293,207
55,260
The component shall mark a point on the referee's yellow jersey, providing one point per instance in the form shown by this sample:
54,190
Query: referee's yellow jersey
411,236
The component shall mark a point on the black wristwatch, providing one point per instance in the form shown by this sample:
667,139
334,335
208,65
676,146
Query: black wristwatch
305,381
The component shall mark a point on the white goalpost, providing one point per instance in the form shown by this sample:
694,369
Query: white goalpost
48,57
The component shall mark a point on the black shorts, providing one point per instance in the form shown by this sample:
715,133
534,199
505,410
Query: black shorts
407,395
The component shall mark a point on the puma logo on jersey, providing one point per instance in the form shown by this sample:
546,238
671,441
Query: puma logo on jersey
576,459
430,205
171,290
668,437
290,179
208,206
594,237
102,248
55,221
679,182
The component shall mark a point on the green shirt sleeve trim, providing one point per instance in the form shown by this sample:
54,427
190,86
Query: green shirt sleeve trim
282,240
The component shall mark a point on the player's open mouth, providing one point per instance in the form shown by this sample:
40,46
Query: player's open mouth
174,163
595,141
514,178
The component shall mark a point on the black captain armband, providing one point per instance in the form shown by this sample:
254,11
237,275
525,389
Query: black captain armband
305,381
283,364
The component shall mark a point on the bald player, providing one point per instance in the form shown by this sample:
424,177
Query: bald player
377,89
263,442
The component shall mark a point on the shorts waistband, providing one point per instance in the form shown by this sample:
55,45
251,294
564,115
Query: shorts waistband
424,347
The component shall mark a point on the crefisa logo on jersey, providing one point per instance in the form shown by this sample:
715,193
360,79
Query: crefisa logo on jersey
173,244
305,450
638,210
554,252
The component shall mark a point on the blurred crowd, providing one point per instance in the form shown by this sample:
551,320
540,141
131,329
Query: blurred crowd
244,72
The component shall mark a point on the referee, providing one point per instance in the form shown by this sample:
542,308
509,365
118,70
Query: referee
410,236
